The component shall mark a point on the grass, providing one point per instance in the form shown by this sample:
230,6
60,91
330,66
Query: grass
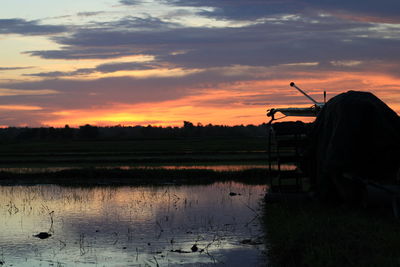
128,152
128,161
136,146
308,233
140,176
91,161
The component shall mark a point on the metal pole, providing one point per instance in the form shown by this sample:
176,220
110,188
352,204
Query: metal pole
304,93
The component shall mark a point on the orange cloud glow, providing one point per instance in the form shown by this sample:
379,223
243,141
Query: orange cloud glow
19,107
232,104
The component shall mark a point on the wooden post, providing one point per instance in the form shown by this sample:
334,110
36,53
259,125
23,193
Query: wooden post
269,147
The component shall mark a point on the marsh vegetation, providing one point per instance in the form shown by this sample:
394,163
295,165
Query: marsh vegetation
147,225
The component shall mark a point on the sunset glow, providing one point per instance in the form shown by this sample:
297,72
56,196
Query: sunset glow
132,62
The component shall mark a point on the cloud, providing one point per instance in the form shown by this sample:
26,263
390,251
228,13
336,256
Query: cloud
379,9
279,40
78,94
134,24
70,52
226,43
14,68
19,107
111,67
112,39
228,92
20,92
81,94
90,14
239,9
102,68
254,9
131,2
24,27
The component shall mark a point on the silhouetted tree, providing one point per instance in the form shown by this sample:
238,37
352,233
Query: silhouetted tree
88,132
67,132
118,132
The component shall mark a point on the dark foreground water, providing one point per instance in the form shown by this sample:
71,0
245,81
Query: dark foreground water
131,226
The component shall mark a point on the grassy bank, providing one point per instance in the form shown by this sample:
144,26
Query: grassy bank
131,152
308,233
139,176
169,146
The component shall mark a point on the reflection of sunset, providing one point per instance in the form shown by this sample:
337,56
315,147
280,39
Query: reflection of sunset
143,202
110,224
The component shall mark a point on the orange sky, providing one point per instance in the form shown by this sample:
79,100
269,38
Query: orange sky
222,62
226,105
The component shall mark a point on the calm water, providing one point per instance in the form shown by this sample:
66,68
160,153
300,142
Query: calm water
226,167
131,226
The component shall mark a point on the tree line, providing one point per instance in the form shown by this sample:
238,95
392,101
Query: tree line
187,130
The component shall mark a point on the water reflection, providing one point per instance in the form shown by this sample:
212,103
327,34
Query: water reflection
226,167
129,226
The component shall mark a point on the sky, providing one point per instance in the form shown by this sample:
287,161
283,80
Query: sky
160,62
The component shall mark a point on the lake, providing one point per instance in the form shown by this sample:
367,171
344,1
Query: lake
216,224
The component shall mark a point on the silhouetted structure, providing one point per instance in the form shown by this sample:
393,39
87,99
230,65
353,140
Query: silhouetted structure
355,139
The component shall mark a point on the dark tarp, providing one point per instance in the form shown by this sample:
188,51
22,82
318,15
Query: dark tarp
355,133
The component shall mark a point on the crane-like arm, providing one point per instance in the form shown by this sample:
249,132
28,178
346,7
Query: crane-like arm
298,112
304,93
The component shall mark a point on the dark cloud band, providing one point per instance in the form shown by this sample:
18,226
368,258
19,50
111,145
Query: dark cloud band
24,27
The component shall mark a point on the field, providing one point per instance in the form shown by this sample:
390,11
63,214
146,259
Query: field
133,161
104,153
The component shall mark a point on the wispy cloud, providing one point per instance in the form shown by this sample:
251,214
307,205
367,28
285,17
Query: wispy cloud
19,107
253,9
20,92
281,40
90,14
24,27
102,68
131,2
14,68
